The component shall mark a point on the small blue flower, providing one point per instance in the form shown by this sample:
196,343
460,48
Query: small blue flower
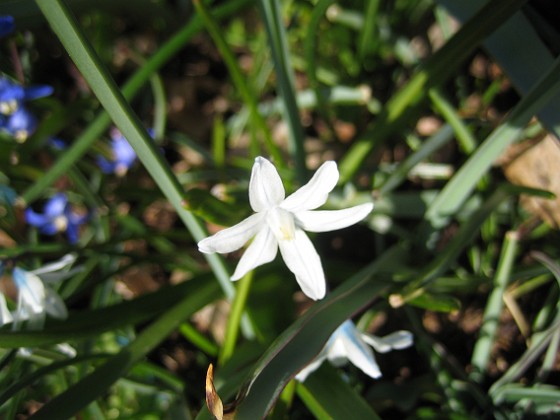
122,153
7,25
20,124
57,216
14,117
12,95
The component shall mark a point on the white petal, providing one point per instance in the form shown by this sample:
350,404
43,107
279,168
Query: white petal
54,305
263,249
310,368
66,349
327,220
31,291
360,355
335,346
337,353
5,315
265,187
233,238
302,260
315,193
394,341
64,262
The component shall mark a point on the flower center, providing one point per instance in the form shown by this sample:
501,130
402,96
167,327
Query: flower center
282,224
8,107
61,223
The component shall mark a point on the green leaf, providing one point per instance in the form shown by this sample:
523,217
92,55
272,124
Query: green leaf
438,303
94,322
208,207
94,385
329,397
304,339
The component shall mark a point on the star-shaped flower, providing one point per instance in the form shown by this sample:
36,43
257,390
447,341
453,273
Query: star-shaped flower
35,297
281,222
349,344
58,216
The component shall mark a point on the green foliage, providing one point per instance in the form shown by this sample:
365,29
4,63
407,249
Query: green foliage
419,116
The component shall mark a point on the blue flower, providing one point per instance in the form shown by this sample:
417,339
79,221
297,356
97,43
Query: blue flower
57,216
123,155
20,124
347,343
12,95
14,117
7,25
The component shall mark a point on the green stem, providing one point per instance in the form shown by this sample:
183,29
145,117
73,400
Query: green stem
237,308
490,321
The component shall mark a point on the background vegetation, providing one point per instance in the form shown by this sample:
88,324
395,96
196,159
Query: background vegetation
444,116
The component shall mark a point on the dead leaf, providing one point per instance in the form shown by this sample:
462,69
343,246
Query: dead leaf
535,164
213,401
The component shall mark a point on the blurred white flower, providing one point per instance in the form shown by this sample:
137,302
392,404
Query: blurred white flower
36,298
349,344
280,222
5,315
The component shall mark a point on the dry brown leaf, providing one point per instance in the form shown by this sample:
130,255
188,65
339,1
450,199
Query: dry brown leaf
535,164
213,401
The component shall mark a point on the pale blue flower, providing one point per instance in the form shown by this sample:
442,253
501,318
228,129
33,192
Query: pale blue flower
123,155
57,216
20,124
347,343
280,223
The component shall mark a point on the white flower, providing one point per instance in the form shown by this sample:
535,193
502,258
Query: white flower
36,298
280,222
349,344
5,315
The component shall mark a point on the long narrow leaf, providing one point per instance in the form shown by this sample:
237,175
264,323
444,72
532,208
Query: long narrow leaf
67,29
96,384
